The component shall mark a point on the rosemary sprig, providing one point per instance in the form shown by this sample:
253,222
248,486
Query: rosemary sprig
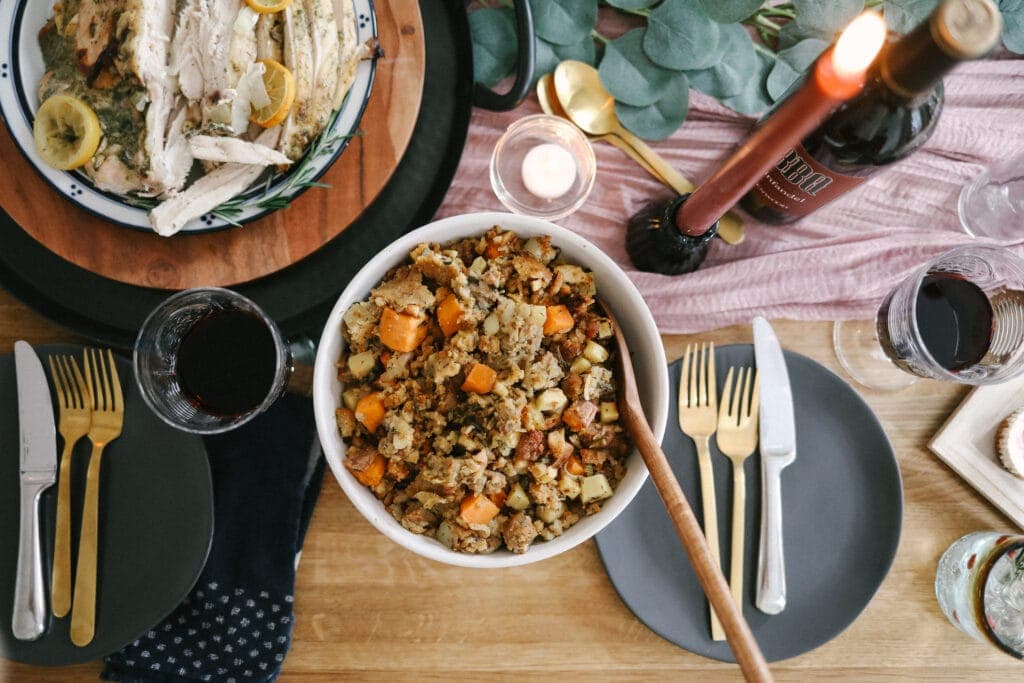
298,178
301,177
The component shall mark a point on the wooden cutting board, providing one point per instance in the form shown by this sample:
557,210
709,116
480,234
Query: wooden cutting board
238,255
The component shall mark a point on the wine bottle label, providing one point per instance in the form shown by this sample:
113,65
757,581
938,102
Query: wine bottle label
799,185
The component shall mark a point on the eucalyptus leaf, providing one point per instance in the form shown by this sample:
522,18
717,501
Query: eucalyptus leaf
629,74
903,15
550,55
564,22
754,99
737,61
632,4
494,44
826,17
1013,25
729,11
660,119
791,63
792,33
680,35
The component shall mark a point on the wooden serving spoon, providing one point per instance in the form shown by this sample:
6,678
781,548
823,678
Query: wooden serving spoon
737,631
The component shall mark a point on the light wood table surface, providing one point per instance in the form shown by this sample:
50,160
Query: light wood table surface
367,610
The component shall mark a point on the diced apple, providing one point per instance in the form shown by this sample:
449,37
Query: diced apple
360,364
609,412
517,498
551,401
595,487
569,485
538,315
549,513
580,365
350,397
595,353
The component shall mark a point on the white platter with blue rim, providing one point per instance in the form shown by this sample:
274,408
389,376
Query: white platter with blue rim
22,67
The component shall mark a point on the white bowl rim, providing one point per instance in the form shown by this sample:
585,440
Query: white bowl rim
326,396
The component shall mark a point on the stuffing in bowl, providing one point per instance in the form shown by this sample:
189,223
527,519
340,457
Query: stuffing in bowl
465,390
480,400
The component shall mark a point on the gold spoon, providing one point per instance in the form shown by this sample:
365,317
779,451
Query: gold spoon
551,106
578,89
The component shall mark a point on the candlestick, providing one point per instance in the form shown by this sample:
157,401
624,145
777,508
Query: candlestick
687,223
837,76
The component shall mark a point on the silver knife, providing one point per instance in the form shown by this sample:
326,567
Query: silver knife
778,449
38,439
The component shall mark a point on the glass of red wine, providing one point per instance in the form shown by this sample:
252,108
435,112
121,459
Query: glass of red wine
958,318
209,360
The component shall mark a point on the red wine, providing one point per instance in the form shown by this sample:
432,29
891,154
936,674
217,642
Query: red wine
954,318
892,117
226,363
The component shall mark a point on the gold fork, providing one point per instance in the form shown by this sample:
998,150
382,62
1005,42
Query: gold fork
737,439
698,405
75,403
107,418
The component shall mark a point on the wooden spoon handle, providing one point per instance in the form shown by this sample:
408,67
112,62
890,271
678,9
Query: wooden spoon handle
741,640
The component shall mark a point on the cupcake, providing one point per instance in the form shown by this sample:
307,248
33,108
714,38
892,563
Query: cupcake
1010,439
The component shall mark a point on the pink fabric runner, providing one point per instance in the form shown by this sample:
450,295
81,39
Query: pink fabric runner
836,264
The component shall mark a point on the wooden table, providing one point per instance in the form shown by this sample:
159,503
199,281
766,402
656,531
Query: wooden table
368,610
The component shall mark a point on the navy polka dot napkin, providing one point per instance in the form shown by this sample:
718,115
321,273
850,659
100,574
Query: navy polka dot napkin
236,625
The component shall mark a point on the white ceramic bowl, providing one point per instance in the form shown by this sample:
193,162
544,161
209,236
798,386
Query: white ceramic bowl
613,287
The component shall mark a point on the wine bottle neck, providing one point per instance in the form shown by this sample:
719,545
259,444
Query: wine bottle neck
915,64
957,30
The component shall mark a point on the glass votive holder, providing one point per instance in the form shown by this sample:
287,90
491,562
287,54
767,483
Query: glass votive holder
543,166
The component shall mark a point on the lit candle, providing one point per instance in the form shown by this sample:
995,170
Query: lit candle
837,76
549,171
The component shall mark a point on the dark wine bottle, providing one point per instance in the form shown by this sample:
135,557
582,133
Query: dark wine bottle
894,115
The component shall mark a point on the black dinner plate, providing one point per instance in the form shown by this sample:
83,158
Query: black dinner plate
842,501
156,522
299,297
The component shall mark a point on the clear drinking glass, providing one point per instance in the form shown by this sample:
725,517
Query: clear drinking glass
992,205
958,318
980,588
159,366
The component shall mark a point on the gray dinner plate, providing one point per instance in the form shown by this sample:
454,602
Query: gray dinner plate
842,502
155,525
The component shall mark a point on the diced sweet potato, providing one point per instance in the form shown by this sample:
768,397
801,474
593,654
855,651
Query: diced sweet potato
401,332
370,411
579,415
374,472
449,313
498,498
366,464
480,379
559,319
574,466
478,509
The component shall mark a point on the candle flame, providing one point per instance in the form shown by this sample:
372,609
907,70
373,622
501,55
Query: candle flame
858,45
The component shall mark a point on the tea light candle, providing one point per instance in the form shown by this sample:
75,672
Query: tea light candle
549,171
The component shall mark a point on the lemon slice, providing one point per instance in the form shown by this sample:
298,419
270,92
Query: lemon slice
280,85
66,132
268,6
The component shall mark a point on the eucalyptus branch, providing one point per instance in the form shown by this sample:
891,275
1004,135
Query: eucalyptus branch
598,37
